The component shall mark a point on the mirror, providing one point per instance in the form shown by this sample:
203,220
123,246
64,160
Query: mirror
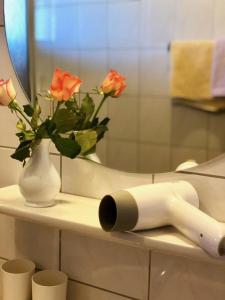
148,132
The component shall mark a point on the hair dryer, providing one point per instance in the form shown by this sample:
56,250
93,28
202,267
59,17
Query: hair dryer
156,205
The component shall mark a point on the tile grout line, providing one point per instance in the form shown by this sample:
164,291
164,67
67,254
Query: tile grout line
102,289
149,274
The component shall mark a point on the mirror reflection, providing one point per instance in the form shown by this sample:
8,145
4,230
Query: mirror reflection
148,131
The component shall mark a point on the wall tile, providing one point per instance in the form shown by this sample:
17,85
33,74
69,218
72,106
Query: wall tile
10,169
157,22
124,118
154,72
68,60
7,120
189,127
126,62
121,33
180,155
194,19
92,31
153,158
62,34
122,155
80,291
24,239
173,276
1,13
219,20
216,132
101,151
155,119
93,68
114,267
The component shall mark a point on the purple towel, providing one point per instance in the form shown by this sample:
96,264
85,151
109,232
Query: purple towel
218,69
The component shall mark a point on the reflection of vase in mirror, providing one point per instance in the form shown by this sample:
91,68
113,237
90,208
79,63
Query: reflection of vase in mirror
147,132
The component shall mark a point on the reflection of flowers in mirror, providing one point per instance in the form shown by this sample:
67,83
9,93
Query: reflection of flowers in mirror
74,127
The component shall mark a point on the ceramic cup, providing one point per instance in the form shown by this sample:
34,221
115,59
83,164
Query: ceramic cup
16,279
49,285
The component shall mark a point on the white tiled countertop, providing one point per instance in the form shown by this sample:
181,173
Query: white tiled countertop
80,215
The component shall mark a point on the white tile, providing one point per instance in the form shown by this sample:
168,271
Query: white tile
7,120
173,276
80,291
155,119
157,22
101,151
154,72
37,242
216,133
24,239
189,127
64,20
154,158
113,267
194,19
93,68
92,25
180,155
219,22
1,13
126,63
122,155
123,114
123,24
213,153
10,169
69,61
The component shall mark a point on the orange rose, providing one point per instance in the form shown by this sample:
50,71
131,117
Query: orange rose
114,83
7,92
64,85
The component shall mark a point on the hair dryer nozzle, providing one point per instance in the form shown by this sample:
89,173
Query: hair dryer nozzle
118,211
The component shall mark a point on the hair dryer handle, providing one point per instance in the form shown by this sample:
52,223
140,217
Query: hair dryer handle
205,231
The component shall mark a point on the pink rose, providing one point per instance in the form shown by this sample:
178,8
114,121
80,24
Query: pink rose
7,92
114,83
64,85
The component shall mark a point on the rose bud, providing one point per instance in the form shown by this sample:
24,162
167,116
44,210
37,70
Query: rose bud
113,84
64,85
7,92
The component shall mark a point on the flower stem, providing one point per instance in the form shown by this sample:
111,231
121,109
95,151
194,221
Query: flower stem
99,107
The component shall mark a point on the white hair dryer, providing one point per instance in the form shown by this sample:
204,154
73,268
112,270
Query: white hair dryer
156,205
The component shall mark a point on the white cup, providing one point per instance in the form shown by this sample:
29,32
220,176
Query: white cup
16,279
49,285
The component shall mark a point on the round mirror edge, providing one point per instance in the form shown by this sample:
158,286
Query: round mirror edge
25,92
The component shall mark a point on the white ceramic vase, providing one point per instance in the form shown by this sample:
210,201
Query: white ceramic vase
40,182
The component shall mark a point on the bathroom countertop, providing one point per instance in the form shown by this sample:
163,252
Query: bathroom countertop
80,215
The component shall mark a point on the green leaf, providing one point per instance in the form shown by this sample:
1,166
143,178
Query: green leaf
87,139
29,135
28,109
64,120
21,125
101,130
36,114
87,108
22,152
66,146
45,129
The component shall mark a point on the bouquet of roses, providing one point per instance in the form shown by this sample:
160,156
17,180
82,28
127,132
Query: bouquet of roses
74,127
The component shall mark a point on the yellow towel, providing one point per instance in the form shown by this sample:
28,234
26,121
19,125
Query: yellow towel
191,69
